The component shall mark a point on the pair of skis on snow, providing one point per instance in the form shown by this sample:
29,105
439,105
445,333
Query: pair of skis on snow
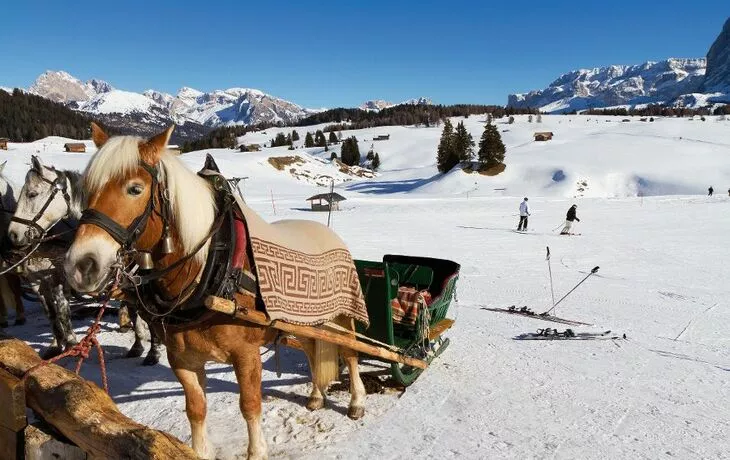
548,333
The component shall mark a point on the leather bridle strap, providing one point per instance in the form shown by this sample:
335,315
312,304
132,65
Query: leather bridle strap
126,237
57,185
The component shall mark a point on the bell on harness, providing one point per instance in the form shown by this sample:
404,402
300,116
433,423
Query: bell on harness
144,260
166,241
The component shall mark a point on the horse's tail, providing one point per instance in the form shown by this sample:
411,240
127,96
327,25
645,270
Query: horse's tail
327,363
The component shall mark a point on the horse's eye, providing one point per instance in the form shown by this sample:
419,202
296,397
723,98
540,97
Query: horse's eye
32,194
135,190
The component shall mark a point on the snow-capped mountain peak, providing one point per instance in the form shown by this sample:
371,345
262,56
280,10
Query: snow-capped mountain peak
380,104
62,87
650,82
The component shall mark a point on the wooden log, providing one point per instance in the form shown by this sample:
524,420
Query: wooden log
41,445
12,402
10,447
83,413
439,328
226,306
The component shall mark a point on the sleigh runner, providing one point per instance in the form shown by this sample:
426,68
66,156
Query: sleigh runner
409,344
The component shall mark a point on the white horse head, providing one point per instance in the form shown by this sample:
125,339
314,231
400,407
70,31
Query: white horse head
7,199
45,199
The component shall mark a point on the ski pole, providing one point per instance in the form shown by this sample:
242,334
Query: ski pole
550,271
559,225
593,272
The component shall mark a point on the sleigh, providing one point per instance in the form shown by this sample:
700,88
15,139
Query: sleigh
405,330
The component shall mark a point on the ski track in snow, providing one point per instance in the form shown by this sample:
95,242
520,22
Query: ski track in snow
662,393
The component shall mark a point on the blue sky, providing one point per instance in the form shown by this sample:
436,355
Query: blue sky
327,54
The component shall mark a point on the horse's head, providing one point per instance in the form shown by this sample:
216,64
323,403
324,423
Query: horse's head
42,202
7,199
135,189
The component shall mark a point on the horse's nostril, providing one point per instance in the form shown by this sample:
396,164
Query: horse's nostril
14,237
88,266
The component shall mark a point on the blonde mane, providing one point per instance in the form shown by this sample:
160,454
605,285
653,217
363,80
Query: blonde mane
191,199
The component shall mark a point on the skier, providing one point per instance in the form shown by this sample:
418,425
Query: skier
710,190
569,218
524,213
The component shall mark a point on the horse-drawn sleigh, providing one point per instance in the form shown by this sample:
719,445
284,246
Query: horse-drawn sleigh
216,282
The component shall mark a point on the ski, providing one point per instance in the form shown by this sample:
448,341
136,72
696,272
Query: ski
568,334
524,311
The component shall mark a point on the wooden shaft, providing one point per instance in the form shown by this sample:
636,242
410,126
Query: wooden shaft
226,306
83,412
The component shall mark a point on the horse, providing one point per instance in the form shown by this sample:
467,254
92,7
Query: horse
52,201
142,196
10,285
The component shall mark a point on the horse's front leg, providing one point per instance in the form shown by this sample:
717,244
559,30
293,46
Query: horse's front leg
247,366
40,291
153,356
63,316
137,347
17,291
192,378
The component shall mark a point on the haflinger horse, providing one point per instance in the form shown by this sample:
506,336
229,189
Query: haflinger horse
10,285
50,204
144,200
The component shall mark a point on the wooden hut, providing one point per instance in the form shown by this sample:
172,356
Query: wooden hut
78,147
3,143
325,201
543,136
381,137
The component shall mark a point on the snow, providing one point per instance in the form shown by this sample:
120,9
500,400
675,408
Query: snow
120,102
662,392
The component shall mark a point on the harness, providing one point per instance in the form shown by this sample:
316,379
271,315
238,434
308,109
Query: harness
222,275
58,185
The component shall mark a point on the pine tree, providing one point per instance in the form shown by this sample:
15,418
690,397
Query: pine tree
371,153
333,156
491,147
295,135
445,158
350,154
333,137
319,139
529,119
376,162
511,119
539,118
289,140
308,140
463,144
490,118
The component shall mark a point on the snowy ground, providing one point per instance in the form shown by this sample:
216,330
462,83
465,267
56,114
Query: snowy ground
661,393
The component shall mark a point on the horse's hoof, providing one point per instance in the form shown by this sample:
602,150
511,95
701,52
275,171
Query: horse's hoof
315,403
124,329
135,352
355,413
151,360
51,352
19,321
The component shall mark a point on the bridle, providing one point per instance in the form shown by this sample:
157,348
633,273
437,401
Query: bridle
127,236
58,185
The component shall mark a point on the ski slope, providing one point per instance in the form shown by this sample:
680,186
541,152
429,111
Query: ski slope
661,393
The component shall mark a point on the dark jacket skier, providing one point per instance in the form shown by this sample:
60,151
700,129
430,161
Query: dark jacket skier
569,219
709,191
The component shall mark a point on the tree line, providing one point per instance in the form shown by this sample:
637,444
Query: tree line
407,114
26,117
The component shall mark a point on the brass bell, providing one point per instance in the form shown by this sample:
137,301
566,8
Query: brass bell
166,246
144,260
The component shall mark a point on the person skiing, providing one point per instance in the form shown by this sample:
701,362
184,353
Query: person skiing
524,213
569,218
710,190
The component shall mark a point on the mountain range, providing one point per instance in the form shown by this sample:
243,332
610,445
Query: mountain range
695,83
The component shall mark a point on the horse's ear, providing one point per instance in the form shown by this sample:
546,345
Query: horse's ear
153,148
35,164
98,135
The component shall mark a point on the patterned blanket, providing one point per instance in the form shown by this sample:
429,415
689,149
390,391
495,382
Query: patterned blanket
305,272
408,304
